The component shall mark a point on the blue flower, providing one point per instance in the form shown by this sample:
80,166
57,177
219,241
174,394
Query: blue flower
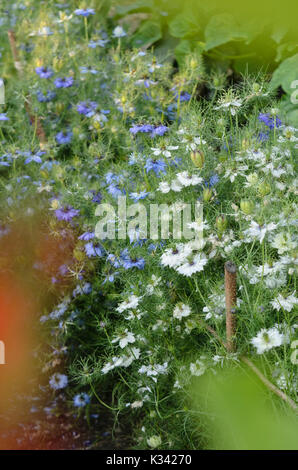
138,196
81,400
263,136
3,117
93,250
159,130
97,197
87,108
33,158
269,121
158,166
66,213
144,128
88,69
85,12
134,263
45,97
64,137
64,82
58,381
44,72
86,236
99,42
114,190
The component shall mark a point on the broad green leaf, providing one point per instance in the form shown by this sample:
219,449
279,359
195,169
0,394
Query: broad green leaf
290,111
148,33
184,25
286,74
223,28
284,50
140,5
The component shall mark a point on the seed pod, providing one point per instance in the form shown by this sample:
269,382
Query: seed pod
246,206
198,158
207,194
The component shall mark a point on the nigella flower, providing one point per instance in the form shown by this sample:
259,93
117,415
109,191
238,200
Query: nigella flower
58,381
81,400
99,42
269,121
144,128
114,190
44,72
134,263
159,130
97,197
88,69
93,250
86,236
263,136
85,12
66,213
184,96
64,82
87,108
158,166
45,97
138,196
33,158
119,32
3,117
64,137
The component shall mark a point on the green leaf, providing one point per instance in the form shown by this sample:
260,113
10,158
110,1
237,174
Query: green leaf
140,5
148,33
184,25
223,28
286,74
290,111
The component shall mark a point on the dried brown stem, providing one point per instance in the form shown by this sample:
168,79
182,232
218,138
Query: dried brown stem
35,121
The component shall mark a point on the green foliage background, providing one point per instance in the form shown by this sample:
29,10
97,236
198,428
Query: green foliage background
232,36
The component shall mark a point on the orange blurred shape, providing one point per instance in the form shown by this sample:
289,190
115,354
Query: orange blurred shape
30,258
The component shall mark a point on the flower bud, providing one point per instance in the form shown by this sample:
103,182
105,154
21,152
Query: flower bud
221,223
246,206
256,87
264,189
207,194
198,158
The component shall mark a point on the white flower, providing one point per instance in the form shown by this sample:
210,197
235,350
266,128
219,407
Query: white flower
131,303
267,339
164,187
181,310
176,186
231,105
165,151
119,32
185,179
154,441
136,404
124,339
194,265
259,231
287,303
283,243
174,257
197,368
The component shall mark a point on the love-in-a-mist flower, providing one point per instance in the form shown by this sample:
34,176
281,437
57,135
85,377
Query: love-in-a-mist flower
58,381
81,399
44,72
181,311
64,137
64,82
267,339
84,12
